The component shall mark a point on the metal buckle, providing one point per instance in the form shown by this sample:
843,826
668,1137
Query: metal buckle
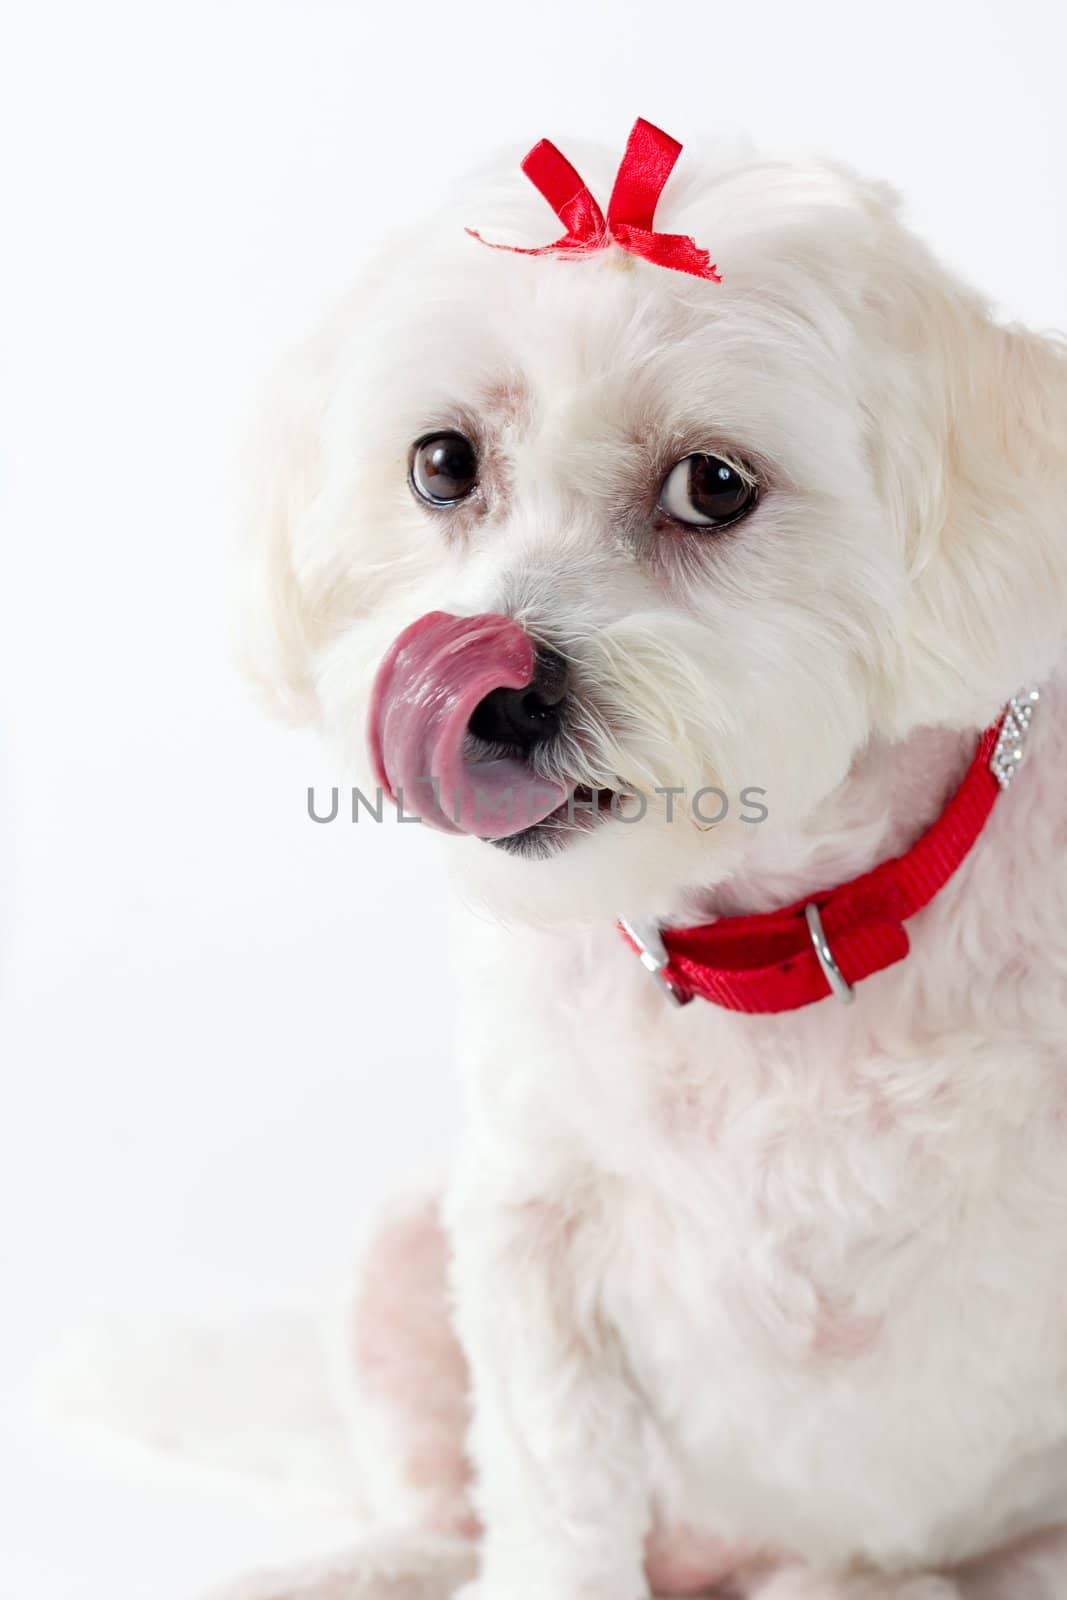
825,956
652,954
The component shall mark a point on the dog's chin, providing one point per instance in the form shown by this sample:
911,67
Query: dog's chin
595,870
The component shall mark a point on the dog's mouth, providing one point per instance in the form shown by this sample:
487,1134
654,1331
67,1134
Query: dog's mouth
464,716
582,810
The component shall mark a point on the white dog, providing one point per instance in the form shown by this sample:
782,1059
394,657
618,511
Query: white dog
722,574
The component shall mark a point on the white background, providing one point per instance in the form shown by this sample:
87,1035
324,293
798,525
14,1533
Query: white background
223,1031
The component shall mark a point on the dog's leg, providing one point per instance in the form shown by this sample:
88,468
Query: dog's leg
411,1404
555,1436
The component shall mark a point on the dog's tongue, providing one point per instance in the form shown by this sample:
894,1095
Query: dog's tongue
427,687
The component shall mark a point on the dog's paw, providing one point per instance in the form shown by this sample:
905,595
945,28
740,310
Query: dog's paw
529,1589
796,1583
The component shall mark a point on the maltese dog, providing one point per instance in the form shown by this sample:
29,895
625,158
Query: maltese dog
695,562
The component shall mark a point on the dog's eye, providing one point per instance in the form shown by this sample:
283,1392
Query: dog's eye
705,492
444,468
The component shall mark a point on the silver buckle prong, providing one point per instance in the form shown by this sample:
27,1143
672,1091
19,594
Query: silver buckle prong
652,954
825,956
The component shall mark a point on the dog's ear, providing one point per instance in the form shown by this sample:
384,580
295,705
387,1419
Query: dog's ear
968,429
283,469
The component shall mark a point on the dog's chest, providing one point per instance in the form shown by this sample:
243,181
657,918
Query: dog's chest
832,1246
842,1297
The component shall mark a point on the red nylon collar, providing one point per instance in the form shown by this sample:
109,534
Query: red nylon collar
771,962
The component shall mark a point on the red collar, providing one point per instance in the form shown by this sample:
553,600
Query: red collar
828,942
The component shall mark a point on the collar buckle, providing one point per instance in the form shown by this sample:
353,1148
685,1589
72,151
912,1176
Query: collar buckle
839,984
647,941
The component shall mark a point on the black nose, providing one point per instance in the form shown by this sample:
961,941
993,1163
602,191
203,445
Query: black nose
522,718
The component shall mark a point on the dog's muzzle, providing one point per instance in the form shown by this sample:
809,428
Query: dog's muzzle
448,688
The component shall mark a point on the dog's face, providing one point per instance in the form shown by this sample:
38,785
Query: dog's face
687,536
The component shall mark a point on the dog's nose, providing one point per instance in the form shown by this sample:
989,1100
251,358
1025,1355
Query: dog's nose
522,718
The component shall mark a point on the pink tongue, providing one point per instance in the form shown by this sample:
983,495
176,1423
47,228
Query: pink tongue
428,685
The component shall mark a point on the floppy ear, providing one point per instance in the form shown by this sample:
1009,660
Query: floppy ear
284,469
969,436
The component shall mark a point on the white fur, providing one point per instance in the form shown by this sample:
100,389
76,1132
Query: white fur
796,1281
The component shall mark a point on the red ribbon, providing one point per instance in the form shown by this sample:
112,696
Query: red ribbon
646,165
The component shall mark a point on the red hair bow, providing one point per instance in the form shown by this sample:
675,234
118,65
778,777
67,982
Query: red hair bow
646,165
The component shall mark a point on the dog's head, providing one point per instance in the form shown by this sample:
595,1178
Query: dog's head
571,533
